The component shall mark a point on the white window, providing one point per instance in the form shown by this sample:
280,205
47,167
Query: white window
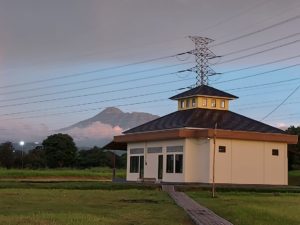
213,103
174,161
182,104
222,103
204,103
193,102
187,103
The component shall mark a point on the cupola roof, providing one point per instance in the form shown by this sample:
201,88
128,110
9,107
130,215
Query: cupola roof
204,90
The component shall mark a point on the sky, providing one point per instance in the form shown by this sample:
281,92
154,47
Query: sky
57,49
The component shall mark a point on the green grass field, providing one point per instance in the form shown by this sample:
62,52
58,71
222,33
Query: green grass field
242,208
43,201
88,207
93,173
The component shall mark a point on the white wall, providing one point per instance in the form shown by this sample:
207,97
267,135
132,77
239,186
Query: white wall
249,162
197,160
151,161
245,162
276,167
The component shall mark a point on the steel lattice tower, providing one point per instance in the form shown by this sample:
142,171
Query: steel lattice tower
202,56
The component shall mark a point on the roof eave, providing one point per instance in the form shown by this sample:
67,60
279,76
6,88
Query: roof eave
205,133
210,96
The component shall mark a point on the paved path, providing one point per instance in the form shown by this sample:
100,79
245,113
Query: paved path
199,214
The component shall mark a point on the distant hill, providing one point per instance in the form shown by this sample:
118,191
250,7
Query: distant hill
101,128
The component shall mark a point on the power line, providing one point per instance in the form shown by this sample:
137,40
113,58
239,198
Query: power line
235,16
265,93
264,64
265,84
141,71
260,45
277,107
85,95
130,73
149,60
95,79
108,100
88,103
258,31
258,74
86,110
93,71
266,106
271,18
95,102
94,86
260,52
121,66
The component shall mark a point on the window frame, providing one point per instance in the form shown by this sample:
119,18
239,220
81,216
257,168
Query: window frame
222,104
193,102
213,103
182,104
187,103
204,102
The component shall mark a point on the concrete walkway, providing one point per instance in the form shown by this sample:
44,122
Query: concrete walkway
199,214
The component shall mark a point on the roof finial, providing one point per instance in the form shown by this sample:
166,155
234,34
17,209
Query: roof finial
202,56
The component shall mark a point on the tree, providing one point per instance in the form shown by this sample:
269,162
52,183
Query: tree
6,155
36,158
60,150
97,157
294,150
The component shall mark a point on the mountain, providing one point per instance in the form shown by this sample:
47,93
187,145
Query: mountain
115,117
100,129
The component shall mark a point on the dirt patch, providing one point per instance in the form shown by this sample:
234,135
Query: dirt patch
149,201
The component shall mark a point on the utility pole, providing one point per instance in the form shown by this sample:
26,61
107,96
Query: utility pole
202,56
214,162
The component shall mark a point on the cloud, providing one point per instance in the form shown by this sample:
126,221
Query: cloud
94,134
282,126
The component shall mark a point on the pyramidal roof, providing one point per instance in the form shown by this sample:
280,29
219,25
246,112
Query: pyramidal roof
205,118
204,90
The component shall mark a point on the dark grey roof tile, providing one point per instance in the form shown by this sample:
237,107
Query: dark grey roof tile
205,118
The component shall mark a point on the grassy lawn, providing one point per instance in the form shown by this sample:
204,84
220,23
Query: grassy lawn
88,207
93,173
243,208
74,185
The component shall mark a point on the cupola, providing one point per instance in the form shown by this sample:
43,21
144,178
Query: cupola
205,97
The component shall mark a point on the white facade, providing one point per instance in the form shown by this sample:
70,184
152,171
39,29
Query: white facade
243,162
